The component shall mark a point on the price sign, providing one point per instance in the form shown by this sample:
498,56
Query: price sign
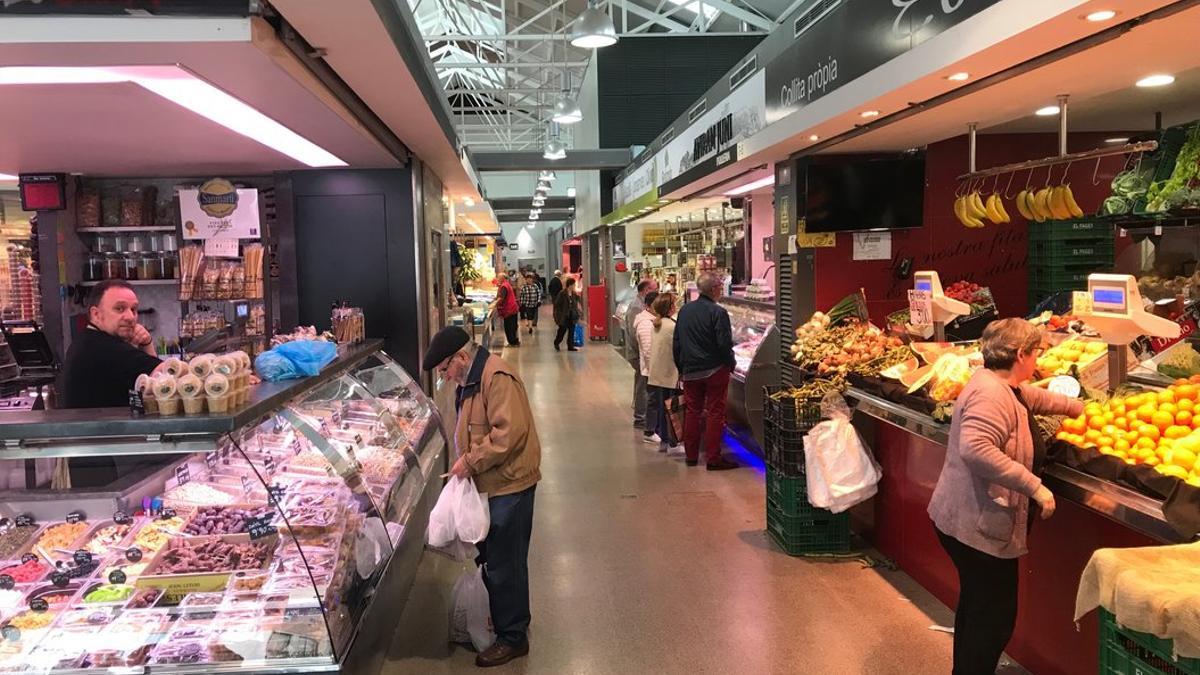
1081,303
210,460
920,307
275,494
7,582
60,579
183,474
297,448
28,558
75,517
137,406
40,604
258,528
122,518
24,520
269,464
133,555
117,577
167,513
82,557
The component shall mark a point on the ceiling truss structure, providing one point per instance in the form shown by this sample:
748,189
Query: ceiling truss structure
503,63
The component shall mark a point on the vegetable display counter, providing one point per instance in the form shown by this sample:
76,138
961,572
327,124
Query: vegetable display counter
1091,513
756,351
261,546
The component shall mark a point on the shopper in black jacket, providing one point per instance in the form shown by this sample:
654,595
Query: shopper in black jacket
566,313
556,285
703,351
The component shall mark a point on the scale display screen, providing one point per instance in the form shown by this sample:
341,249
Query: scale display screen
924,285
1111,299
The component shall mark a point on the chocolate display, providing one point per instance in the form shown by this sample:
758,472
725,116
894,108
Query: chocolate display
212,556
13,539
223,520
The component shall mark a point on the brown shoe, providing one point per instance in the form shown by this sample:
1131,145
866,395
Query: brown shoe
499,654
722,465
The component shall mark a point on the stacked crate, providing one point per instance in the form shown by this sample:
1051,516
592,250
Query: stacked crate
1129,652
1063,253
794,524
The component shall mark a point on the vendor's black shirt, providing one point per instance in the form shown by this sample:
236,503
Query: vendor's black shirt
100,369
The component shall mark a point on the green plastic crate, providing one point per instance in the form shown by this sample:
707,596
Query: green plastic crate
1065,251
1069,230
790,494
819,532
1066,275
1128,652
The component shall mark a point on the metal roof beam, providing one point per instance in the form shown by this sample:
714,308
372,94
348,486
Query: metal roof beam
576,160
511,64
662,19
738,13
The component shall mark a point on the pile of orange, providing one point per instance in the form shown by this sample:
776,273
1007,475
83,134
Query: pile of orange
1157,428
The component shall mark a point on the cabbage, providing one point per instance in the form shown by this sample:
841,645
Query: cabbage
1115,206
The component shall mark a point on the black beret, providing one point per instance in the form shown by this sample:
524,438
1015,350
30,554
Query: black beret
443,345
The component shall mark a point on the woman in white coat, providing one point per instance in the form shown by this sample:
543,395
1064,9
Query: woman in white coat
662,377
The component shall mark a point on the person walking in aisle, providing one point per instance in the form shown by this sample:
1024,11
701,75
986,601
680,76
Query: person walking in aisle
703,351
529,295
631,351
643,332
990,491
556,286
498,447
566,313
507,307
662,378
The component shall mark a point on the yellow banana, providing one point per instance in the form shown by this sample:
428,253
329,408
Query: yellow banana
958,211
990,206
975,206
1041,205
1057,206
1023,206
1001,210
1030,205
1069,200
964,216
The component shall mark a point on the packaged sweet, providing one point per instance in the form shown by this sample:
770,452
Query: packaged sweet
107,594
179,652
198,493
95,617
55,541
27,572
233,519
105,538
30,621
156,533
144,598
14,539
212,555
203,600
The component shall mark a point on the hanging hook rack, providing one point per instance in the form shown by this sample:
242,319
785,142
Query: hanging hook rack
1008,187
1127,149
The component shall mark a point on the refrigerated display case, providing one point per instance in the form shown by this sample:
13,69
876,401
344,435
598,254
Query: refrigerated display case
756,352
259,546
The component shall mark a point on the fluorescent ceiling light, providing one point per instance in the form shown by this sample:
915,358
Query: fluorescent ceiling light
814,137
753,185
1102,15
468,202
7,177
188,91
1116,140
571,192
958,77
1156,80
1047,111
868,113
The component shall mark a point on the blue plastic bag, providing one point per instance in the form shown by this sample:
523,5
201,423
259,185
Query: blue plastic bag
272,367
578,337
309,356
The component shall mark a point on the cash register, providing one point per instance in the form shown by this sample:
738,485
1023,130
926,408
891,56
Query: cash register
1119,316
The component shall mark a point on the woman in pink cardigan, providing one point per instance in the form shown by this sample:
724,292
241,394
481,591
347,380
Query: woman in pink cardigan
989,489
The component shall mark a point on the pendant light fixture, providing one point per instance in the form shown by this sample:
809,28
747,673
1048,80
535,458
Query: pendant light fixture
566,108
555,149
593,29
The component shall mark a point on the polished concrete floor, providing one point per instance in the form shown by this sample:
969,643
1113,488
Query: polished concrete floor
640,564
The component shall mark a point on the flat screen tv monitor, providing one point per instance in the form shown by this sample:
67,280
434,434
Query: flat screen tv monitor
858,194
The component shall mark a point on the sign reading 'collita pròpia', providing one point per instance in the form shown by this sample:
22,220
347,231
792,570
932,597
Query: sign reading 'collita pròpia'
855,37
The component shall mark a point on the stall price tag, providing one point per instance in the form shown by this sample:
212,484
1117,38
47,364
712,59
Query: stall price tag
920,307
40,604
1081,303
24,520
7,582
122,518
75,517
269,464
297,448
183,474
210,460
117,577
82,557
260,527
275,494
28,558
133,555
60,579
137,406
11,633
167,513
245,484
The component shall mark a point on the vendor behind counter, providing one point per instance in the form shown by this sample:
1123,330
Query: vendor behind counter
101,366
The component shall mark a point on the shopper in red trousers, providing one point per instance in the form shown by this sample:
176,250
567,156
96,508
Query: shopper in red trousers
703,351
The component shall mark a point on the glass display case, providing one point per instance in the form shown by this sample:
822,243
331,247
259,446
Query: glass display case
254,542
756,353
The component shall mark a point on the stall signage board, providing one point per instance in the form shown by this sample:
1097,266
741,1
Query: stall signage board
218,210
636,184
1189,321
806,240
851,40
920,307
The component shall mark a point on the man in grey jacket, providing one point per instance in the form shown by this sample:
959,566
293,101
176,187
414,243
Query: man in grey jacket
631,351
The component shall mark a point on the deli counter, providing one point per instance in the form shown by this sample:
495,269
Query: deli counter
257,541
756,353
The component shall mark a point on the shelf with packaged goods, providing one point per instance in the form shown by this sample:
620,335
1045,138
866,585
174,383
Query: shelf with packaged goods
138,282
265,548
119,230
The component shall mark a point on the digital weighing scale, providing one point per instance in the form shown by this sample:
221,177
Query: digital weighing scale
1119,315
943,309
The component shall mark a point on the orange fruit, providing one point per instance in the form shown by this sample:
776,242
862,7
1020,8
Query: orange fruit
1176,431
1149,431
1122,445
1146,443
1104,440
1146,412
1097,422
1196,421
1195,379
1181,381
1109,430
1092,408
1166,396
1118,408
1152,460
1130,437
1168,408
1186,404
1092,435
1121,424
1162,420
1184,418
1062,435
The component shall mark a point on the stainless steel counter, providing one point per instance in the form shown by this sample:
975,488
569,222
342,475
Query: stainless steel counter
1127,507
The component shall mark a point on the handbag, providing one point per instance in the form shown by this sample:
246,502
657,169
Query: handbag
675,413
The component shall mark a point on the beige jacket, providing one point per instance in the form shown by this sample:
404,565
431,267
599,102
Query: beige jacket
982,495
495,432
643,328
663,372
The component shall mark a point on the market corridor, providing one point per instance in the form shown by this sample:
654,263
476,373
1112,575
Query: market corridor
642,565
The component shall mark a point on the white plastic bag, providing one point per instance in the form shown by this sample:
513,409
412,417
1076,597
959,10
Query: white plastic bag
461,514
470,611
840,471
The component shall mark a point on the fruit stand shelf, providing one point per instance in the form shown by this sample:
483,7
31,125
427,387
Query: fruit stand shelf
118,230
139,282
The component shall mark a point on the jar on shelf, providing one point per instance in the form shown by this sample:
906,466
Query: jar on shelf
114,266
131,266
93,267
166,265
147,266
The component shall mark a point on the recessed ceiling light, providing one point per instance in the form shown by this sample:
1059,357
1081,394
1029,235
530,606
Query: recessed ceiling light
958,77
7,177
468,202
868,113
1116,140
1160,80
570,192
1047,111
814,137
1102,15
